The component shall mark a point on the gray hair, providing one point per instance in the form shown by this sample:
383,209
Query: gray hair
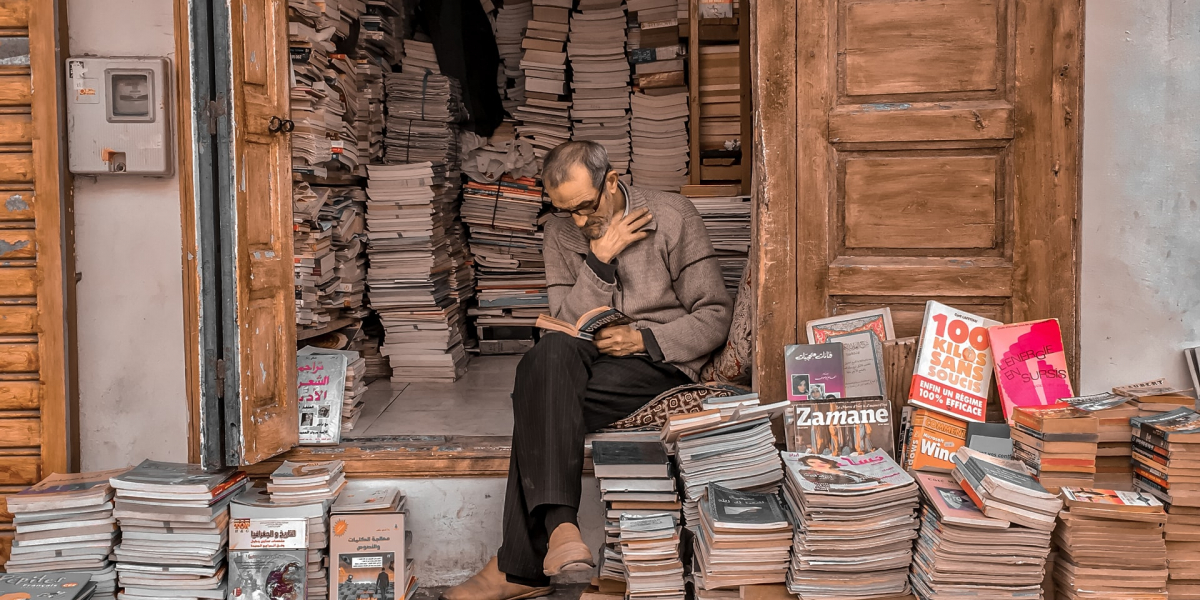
592,156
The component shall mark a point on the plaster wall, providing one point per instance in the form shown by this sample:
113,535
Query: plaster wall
130,291
1140,296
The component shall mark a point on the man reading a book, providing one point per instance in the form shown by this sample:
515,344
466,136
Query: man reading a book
647,254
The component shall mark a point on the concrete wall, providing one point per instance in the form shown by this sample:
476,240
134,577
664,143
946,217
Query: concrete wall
130,296
1140,301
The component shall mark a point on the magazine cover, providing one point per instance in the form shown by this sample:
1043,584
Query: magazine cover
845,475
814,372
321,388
931,439
954,363
1074,495
952,503
1030,365
369,575
1097,402
366,549
268,574
862,363
878,322
840,427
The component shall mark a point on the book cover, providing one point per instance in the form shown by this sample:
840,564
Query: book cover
862,363
954,363
588,324
952,503
367,552
57,585
814,372
980,468
844,475
1030,364
737,509
878,322
932,441
1097,402
257,574
841,427
300,473
177,477
65,490
1112,499
321,381
629,459
1181,423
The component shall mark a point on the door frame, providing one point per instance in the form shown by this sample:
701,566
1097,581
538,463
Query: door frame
791,122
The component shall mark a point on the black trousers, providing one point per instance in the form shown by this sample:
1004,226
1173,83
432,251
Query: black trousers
564,389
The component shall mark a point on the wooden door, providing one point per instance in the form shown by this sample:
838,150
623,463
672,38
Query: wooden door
36,255
260,387
934,154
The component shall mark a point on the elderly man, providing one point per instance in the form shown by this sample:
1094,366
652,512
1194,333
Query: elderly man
647,254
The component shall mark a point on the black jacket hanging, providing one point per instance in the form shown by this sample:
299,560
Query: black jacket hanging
466,50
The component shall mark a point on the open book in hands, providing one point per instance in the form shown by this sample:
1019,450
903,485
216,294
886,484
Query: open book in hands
588,324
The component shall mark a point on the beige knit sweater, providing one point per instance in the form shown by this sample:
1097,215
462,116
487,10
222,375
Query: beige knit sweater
669,283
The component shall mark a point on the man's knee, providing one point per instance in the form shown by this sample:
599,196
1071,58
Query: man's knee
554,351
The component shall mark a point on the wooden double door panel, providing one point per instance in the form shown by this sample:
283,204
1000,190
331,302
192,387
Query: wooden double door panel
936,150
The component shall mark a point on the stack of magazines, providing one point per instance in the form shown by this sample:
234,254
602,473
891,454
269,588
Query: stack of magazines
268,539
306,482
650,547
65,523
174,522
738,454
856,519
744,538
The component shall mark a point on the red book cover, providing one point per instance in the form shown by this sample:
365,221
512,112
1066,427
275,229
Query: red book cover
954,363
1031,367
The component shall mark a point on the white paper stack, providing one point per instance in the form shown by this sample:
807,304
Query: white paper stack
727,219
174,522
660,141
65,523
509,27
410,214
600,78
650,549
545,115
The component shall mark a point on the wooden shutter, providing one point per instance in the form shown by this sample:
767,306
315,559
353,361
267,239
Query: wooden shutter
36,251
260,388
935,153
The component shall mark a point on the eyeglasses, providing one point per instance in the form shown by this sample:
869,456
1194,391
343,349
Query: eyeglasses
585,210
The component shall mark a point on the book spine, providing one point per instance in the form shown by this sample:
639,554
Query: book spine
1141,484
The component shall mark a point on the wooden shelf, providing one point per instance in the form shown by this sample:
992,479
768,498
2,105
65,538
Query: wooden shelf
334,325
705,32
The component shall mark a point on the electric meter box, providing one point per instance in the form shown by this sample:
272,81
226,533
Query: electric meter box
118,116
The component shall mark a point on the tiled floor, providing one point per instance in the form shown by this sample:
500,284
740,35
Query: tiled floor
477,404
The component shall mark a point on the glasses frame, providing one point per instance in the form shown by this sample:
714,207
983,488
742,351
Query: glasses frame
584,211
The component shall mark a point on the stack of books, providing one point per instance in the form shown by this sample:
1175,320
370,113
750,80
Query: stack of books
65,523
409,219
1166,453
635,481
600,78
312,251
422,111
546,114
503,220
738,454
380,45
510,22
174,521
727,219
370,546
720,106
1155,396
659,134
650,546
1057,442
1005,489
306,482
744,538
342,79
1114,449
343,216
315,108
655,50
419,56
856,519
1110,545
271,540
961,553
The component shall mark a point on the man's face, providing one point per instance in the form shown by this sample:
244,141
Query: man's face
576,193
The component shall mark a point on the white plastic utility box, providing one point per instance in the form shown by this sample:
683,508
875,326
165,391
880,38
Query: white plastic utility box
118,116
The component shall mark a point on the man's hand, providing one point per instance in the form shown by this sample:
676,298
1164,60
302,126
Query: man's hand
622,232
619,340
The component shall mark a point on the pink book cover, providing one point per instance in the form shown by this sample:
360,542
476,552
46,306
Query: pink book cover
1030,365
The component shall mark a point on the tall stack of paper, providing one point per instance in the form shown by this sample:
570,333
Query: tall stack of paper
856,522
174,522
65,523
656,55
344,215
510,22
421,114
506,241
727,219
1110,545
635,481
600,78
314,259
316,110
720,104
744,538
409,221
963,553
381,29
419,56
545,115
660,141
650,546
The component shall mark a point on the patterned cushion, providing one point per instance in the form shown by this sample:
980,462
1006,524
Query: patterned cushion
688,398
733,362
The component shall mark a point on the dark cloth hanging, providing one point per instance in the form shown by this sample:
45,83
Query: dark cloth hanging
466,50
